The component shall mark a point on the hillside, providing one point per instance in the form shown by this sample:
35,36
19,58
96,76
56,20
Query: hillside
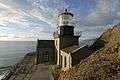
103,64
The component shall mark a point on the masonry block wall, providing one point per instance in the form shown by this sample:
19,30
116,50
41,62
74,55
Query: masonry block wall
46,51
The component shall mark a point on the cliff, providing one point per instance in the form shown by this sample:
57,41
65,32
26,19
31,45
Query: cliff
25,68
103,64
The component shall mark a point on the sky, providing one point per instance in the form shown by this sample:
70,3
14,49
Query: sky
29,20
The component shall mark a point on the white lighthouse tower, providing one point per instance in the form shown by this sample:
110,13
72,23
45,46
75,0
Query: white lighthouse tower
64,38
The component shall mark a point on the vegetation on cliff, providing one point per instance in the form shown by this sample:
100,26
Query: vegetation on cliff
103,64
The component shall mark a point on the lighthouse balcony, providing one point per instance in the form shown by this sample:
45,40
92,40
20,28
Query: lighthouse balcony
77,33
56,34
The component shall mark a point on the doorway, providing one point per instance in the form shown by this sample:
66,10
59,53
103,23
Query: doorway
46,56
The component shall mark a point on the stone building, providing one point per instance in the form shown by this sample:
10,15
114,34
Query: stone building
64,47
46,51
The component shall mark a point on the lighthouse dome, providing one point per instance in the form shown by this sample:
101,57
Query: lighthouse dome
66,13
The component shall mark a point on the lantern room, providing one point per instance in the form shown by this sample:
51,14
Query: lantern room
65,18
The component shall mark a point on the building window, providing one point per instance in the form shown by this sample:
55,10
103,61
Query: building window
65,62
65,22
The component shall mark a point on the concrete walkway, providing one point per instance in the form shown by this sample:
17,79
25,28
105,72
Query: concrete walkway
37,72
41,73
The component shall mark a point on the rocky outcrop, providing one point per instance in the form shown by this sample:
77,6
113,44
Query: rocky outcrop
25,68
103,64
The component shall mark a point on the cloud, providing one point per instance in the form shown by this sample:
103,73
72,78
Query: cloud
10,14
105,13
4,28
38,18
21,24
47,10
100,18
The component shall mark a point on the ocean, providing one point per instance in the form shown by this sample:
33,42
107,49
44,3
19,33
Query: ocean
11,52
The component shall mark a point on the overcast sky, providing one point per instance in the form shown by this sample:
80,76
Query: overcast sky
28,20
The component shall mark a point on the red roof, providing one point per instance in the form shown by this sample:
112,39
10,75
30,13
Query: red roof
66,13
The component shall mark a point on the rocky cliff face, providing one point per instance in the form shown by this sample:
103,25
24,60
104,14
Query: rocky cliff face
103,64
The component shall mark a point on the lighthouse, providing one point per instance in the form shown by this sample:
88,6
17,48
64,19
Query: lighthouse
63,49
64,37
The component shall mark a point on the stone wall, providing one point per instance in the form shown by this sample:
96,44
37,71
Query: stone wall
42,53
46,51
